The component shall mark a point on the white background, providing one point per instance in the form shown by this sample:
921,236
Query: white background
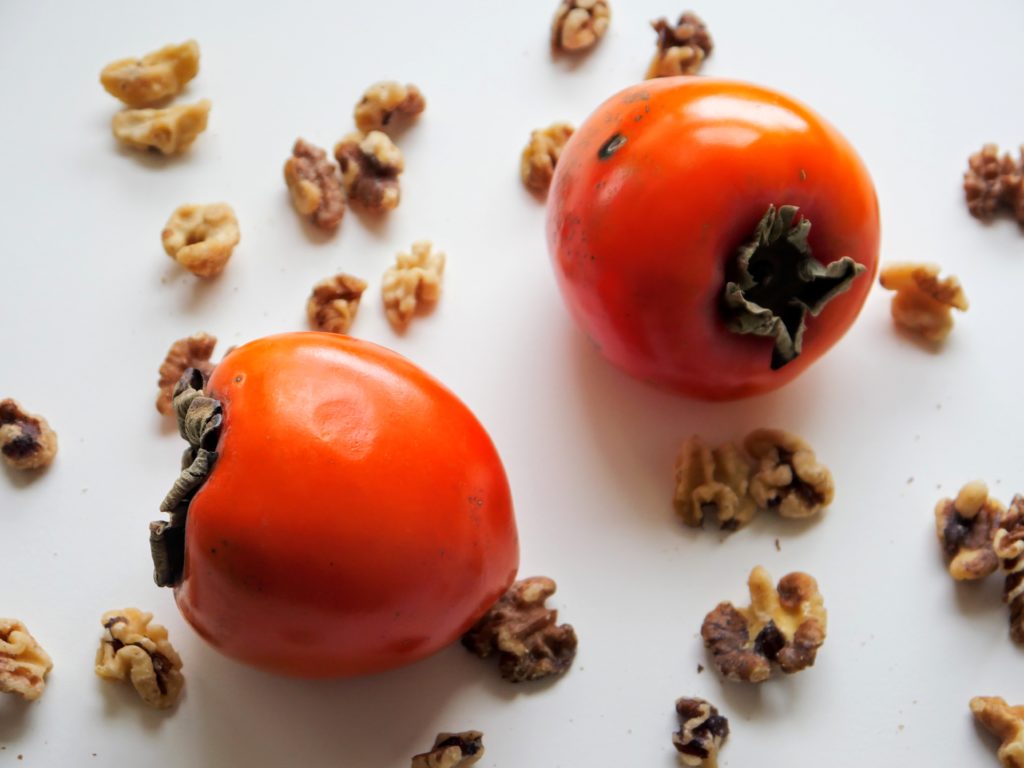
89,304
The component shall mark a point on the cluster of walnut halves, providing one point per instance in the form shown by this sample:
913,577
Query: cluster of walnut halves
775,470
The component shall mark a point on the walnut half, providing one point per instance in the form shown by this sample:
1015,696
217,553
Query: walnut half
383,102
169,131
923,303
579,24
452,750
682,47
414,279
155,77
370,166
26,440
137,651
966,527
701,732
993,183
789,478
713,481
333,304
537,164
1004,722
313,183
201,237
23,662
192,351
1008,546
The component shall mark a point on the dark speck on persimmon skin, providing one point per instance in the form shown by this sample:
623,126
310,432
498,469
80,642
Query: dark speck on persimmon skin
610,147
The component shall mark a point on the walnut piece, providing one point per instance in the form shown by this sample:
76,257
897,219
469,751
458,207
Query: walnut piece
785,625
1009,548
193,351
370,166
26,440
537,165
452,750
923,303
523,632
333,304
201,237
23,662
382,102
414,279
1004,722
169,131
137,651
153,78
713,481
966,527
313,183
579,24
681,48
993,183
701,732
788,477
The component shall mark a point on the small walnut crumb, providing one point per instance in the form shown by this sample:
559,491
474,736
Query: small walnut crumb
1004,722
966,527
153,78
370,166
169,131
414,279
193,351
315,188
788,478
523,632
137,651
452,750
713,481
785,626
993,183
333,304
701,732
201,237
382,102
681,48
1009,548
579,24
23,662
26,440
537,165
923,303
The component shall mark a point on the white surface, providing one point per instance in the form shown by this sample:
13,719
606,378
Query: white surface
90,304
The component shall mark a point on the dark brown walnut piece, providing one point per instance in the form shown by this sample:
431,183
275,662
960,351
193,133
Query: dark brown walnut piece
993,183
524,633
788,478
334,302
1004,722
701,732
26,440
193,351
682,47
966,527
537,163
370,165
385,101
1009,548
452,750
314,185
579,24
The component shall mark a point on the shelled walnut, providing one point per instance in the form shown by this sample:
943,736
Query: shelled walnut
1009,548
192,351
313,182
788,477
333,304
26,440
537,164
701,733
966,527
452,750
23,662
201,237
923,303
682,47
579,24
713,481
169,131
154,77
993,183
137,651
370,166
1004,722
524,633
383,102
785,626
414,279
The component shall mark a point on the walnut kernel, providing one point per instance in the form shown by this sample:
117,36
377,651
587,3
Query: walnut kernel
137,651
201,237
579,24
414,279
993,183
1009,548
370,166
524,634
382,102
784,625
537,164
1004,722
313,183
26,440
923,302
452,750
153,78
701,732
23,662
169,131
193,351
681,48
713,481
333,304
966,527
788,477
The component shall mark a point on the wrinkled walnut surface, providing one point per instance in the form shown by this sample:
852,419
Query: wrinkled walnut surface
153,78
169,131
701,732
788,477
682,47
383,102
994,183
414,279
966,527
333,304
452,750
579,24
713,481
201,237
1008,546
23,662
26,440
192,351
1004,722
370,165
537,164
137,651
524,633
785,625
923,302
314,185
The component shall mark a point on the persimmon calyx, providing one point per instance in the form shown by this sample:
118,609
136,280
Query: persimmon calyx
774,282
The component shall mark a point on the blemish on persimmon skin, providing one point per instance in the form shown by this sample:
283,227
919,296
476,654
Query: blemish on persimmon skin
611,146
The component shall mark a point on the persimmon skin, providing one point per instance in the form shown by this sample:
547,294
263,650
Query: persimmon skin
358,517
640,233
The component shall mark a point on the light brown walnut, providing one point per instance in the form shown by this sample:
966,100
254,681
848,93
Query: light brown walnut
334,302
1008,546
26,440
788,478
370,167
414,279
1004,722
579,24
314,185
23,662
452,750
192,351
537,164
169,131
923,303
135,650
201,237
713,481
153,78
383,102
682,47
966,527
